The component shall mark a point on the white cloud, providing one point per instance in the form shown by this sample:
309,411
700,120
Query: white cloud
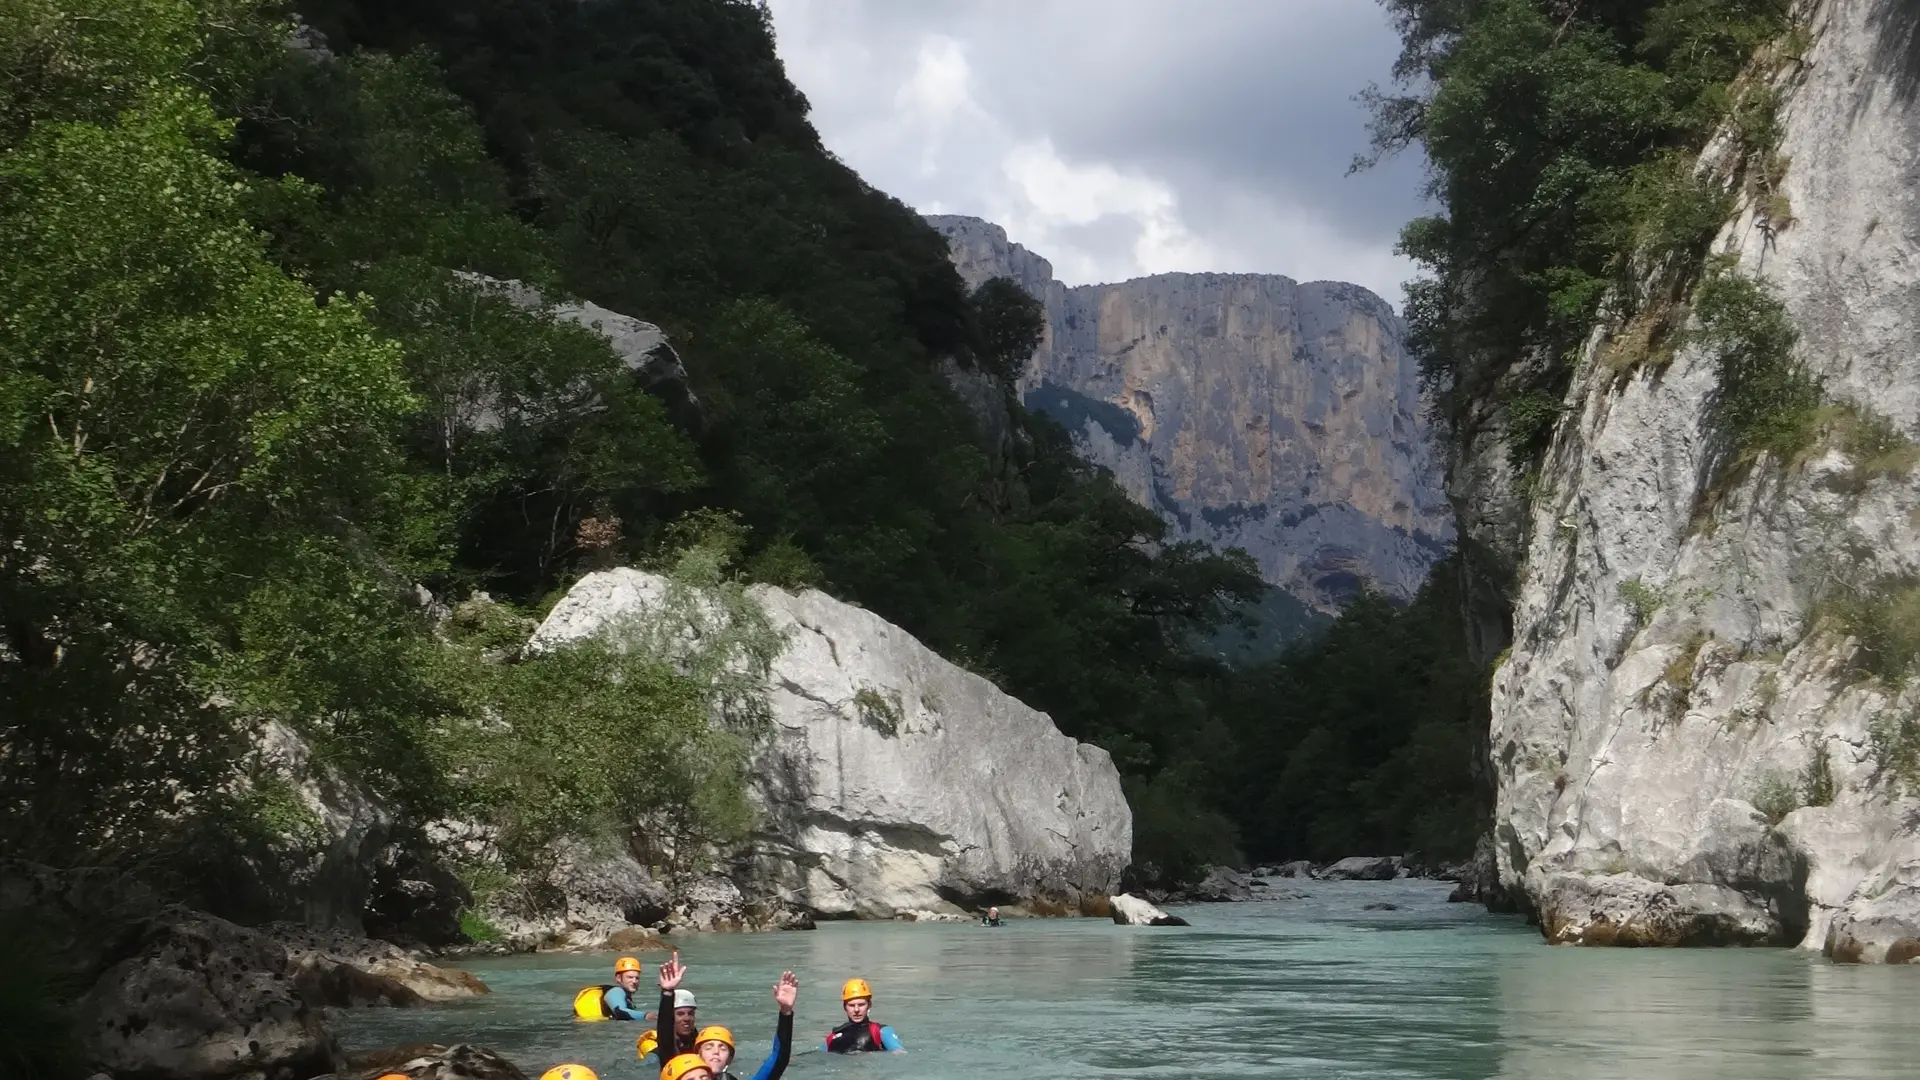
1064,122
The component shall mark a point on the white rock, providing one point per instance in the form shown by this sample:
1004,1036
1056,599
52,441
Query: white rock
1130,910
1628,752
895,781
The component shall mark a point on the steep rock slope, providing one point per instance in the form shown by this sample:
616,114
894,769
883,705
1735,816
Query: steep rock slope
1673,691
1251,410
896,782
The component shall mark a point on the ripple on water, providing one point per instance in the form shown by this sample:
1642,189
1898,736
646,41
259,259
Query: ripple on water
1314,987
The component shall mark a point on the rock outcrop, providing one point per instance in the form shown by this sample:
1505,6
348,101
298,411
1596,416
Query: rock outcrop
1133,911
640,345
1362,868
1688,747
1250,410
894,781
431,1061
200,997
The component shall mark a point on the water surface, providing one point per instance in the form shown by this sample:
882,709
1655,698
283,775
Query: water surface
1315,987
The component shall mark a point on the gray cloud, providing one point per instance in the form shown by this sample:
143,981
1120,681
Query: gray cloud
1120,137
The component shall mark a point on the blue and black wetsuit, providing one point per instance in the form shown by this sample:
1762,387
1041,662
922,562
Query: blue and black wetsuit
620,1005
868,1034
777,1059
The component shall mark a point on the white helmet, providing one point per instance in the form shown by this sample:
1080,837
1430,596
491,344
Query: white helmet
683,999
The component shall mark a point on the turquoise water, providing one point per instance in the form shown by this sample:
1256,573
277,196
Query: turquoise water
1316,987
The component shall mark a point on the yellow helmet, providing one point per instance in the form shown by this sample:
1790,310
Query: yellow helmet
855,988
625,963
644,1045
395,1076
568,1072
714,1032
680,1067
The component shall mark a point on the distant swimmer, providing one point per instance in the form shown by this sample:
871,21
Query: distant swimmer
861,1032
991,918
715,1044
614,1001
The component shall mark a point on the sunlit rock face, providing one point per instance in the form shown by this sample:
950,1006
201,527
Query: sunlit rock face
1249,409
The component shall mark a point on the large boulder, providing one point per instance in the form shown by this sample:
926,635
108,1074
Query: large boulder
332,965
1881,924
1133,911
1362,868
199,998
895,781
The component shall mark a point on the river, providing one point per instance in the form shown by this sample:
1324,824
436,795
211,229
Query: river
1318,986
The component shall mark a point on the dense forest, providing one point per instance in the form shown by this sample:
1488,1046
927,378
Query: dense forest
253,396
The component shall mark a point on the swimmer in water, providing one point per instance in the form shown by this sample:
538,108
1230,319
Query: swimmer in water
675,1038
861,1032
715,1044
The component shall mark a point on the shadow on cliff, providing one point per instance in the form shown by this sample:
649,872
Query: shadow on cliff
1896,53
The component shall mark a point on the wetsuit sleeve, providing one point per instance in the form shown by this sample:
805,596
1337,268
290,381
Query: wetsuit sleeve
889,1040
776,1062
619,1003
664,1029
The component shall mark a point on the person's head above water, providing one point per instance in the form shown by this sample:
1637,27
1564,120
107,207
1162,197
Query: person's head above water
685,1067
715,1046
856,997
684,1008
626,972
993,913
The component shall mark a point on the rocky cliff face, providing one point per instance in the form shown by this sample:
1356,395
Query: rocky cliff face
896,783
1687,749
1251,410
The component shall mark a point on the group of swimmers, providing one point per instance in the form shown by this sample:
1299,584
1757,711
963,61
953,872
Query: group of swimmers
685,1051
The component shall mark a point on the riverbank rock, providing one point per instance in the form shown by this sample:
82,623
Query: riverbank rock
1882,927
331,965
200,997
1686,745
894,780
1299,868
1362,868
431,1061
715,903
1133,911
1222,885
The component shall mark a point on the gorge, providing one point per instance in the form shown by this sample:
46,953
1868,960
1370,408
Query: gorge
1249,410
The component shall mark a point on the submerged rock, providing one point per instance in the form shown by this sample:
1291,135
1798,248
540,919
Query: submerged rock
1133,911
431,1061
1362,868
894,780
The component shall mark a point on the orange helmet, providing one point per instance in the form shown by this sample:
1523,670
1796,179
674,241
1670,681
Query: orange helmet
396,1076
856,988
681,1067
625,963
568,1072
711,1033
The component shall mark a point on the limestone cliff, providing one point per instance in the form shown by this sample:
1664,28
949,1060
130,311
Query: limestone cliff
1251,410
1677,686
895,782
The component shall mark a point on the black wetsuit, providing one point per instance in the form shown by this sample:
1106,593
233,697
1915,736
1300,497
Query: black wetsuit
668,1046
852,1038
776,1062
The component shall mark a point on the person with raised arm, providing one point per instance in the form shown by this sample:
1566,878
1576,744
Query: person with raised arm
715,1044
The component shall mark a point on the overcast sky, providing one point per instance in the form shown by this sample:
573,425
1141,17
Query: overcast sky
1120,137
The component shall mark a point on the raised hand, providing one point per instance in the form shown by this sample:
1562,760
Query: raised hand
672,972
785,991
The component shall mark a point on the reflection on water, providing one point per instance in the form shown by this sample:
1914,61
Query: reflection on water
1317,987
